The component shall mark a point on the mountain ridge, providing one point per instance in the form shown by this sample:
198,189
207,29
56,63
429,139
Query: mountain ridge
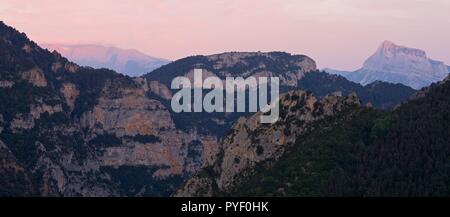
366,153
130,62
353,151
398,64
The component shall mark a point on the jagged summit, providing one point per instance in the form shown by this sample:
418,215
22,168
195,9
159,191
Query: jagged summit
398,64
390,56
390,49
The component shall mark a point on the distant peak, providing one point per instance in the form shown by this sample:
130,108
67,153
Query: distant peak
388,44
389,49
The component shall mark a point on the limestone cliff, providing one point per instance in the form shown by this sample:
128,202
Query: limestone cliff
68,130
250,143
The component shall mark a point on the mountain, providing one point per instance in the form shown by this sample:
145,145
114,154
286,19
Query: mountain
289,68
69,130
128,62
295,72
363,152
398,64
335,147
250,143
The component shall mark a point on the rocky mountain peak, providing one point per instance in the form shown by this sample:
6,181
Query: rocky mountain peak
390,49
251,143
390,56
398,64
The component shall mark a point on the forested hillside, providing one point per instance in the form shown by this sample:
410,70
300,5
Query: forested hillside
365,152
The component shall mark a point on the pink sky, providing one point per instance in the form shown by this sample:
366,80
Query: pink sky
337,33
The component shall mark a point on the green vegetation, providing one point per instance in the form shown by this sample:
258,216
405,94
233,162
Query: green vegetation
139,180
364,152
144,138
380,94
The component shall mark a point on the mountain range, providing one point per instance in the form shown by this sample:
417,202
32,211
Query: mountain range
70,130
398,64
335,147
126,61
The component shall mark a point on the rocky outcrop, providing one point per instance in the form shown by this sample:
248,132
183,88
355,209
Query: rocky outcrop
27,121
35,76
127,112
70,92
160,90
257,64
250,143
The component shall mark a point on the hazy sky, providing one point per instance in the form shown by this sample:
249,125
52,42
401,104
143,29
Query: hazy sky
336,33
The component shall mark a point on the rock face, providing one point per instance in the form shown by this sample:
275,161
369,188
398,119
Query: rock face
250,143
70,93
398,64
35,76
67,130
160,90
128,62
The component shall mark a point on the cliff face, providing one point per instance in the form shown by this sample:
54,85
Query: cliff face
251,143
70,130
